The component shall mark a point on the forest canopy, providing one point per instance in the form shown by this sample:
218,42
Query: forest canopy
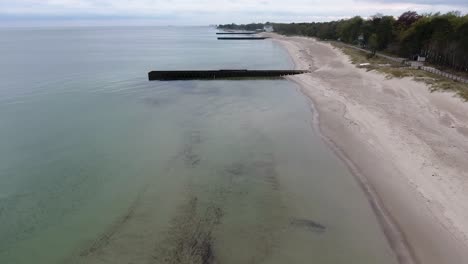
441,38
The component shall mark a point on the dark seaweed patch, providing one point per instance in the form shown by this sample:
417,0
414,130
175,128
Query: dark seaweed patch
190,238
105,238
267,170
308,224
272,178
190,156
235,169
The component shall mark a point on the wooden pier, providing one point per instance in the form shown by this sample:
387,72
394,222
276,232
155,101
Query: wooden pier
219,74
242,38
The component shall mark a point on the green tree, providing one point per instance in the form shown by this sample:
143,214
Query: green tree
442,38
349,30
373,43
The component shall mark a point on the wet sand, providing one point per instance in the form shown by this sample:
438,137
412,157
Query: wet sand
406,146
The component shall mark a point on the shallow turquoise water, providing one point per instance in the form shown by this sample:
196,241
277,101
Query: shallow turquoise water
98,165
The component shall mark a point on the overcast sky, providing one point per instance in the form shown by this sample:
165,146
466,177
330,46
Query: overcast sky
203,12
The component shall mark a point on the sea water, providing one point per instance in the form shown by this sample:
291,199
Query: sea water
99,165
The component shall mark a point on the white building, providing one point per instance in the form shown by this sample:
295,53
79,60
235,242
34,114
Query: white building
268,28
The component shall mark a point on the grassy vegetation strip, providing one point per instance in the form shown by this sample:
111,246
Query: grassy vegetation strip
393,69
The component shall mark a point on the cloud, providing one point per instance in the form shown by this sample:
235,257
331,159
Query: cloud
460,3
214,11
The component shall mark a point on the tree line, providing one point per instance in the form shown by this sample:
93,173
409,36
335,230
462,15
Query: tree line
249,27
441,38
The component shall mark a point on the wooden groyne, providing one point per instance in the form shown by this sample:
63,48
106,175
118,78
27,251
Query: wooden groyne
236,33
219,74
242,38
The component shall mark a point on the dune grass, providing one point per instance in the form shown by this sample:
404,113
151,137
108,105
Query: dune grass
393,69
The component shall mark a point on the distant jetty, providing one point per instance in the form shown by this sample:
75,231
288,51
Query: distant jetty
242,38
219,74
236,33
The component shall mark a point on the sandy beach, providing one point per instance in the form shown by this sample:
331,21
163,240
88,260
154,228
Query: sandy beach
408,148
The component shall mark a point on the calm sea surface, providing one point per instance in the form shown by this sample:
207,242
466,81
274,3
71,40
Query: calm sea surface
99,165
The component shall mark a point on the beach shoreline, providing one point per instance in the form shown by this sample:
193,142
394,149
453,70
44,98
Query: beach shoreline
396,239
379,128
